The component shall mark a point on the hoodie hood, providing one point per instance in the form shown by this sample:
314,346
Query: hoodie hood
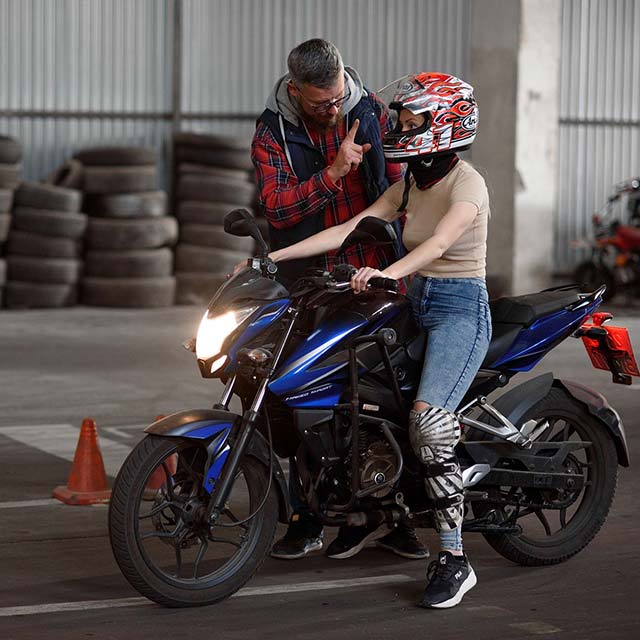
279,101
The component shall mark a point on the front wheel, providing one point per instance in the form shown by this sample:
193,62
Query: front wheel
567,520
159,534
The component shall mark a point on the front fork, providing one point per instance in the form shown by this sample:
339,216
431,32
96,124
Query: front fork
245,431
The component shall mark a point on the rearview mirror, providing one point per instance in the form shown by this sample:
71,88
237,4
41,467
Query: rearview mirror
240,222
371,230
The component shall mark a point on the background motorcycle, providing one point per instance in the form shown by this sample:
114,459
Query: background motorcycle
329,377
615,247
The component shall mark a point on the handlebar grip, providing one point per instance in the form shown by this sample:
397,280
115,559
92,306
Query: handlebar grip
388,284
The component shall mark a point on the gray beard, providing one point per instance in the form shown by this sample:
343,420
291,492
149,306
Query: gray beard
328,125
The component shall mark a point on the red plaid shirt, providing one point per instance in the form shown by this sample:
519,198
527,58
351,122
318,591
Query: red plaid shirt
286,201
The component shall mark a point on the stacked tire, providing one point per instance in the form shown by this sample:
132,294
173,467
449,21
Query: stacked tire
44,247
128,259
213,176
10,178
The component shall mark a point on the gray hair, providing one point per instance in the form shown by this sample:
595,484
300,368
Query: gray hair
315,62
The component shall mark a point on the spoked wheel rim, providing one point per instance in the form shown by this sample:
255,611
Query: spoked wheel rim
170,527
549,526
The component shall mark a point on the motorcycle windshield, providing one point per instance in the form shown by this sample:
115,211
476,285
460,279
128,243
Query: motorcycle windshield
244,287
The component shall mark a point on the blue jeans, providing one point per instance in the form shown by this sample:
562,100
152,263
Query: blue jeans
454,312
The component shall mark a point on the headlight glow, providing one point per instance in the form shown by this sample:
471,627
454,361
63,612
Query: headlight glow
212,333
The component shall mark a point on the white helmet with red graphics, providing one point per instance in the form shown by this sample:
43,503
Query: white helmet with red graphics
450,110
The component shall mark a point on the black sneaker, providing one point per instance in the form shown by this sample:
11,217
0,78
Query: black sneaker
450,577
402,541
350,541
303,536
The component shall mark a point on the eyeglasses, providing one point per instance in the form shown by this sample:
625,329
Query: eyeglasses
325,106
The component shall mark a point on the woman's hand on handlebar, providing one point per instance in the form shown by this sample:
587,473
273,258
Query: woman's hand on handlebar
363,275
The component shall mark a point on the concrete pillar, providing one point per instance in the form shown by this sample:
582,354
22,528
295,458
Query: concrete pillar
495,37
537,135
515,52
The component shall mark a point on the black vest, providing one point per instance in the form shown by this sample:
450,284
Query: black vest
307,160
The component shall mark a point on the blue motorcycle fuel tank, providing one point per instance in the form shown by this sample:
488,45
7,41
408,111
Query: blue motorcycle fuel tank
315,373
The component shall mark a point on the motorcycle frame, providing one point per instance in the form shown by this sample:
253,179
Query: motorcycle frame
384,337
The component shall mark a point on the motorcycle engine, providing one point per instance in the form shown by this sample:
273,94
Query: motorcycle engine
377,464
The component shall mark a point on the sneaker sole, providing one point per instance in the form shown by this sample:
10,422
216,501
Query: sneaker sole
316,546
355,550
467,585
402,554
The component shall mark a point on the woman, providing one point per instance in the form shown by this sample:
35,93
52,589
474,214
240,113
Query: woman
447,209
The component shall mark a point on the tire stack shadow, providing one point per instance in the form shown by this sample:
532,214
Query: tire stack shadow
213,175
10,178
128,259
44,247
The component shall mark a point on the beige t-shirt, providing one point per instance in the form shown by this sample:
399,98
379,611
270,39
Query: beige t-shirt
466,257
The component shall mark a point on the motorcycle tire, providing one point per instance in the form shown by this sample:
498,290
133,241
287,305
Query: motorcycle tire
156,580
593,502
591,275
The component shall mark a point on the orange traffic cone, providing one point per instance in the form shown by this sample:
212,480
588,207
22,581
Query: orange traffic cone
87,481
158,477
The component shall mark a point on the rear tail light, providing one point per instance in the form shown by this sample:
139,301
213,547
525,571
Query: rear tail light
609,348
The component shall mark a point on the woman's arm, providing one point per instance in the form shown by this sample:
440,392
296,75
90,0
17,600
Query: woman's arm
333,237
448,230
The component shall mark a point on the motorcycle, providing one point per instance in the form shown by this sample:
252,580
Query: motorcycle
615,247
329,377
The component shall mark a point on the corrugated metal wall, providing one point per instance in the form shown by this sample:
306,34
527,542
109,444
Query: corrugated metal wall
60,57
112,61
234,51
599,112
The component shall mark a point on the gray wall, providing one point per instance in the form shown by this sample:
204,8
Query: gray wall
75,73
83,72
65,65
599,142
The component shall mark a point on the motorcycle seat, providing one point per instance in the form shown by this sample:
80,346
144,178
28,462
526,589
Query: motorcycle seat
509,315
501,339
525,310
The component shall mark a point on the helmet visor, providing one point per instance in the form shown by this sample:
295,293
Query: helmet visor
409,93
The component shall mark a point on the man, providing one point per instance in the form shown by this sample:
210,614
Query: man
318,155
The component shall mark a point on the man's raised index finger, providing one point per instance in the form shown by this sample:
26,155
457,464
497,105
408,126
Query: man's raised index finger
354,128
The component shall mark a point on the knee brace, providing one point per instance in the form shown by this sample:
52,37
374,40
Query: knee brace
434,434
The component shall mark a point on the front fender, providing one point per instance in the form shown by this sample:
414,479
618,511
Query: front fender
199,424
599,408
212,427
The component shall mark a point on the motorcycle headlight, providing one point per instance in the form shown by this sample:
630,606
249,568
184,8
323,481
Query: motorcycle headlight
212,333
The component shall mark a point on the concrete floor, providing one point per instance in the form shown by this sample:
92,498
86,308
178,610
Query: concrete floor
125,367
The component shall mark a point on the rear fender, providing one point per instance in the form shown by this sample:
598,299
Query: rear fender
212,428
599,408
515,403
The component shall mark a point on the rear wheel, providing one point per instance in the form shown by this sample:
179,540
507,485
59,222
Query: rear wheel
569,520
159,534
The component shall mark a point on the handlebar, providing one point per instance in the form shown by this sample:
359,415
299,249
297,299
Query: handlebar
388,284
340,280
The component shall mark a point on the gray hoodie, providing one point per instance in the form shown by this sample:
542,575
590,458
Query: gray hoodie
280,102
